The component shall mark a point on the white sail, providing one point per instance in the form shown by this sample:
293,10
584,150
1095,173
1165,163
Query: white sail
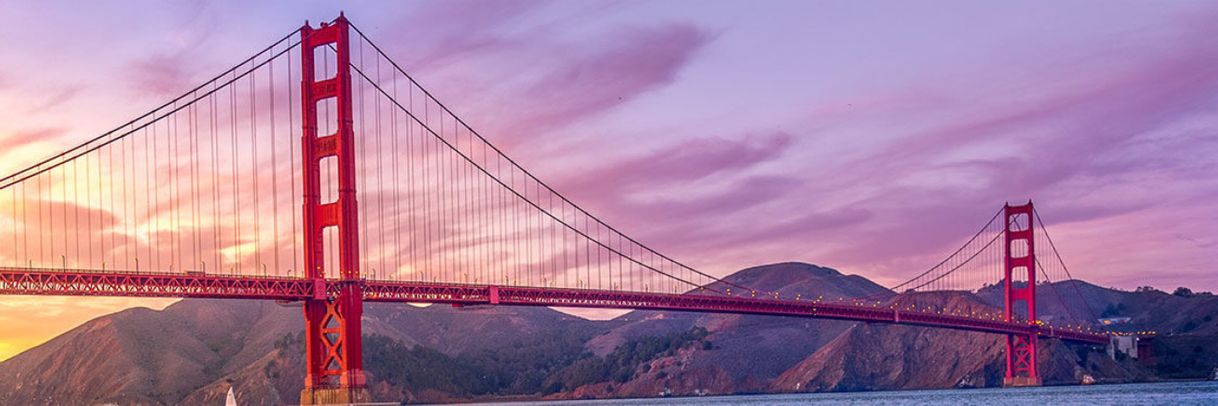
231,399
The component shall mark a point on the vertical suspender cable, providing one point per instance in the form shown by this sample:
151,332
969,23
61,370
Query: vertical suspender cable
292,159
236,152
256,214
397,213
274,169
215,184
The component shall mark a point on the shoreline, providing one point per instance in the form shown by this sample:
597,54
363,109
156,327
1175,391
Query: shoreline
509,400
915,396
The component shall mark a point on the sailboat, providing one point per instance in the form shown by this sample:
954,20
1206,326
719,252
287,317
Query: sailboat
231,399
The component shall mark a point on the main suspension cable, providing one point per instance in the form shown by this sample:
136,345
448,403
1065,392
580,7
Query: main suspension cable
532,177
76,152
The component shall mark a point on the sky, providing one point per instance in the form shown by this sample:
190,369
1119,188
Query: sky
869,137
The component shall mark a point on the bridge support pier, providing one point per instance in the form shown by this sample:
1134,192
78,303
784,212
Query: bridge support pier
1021,381
334,396
1020,260
334,371
1021,362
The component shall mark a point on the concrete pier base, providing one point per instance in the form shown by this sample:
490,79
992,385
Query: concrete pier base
335,396
1021,381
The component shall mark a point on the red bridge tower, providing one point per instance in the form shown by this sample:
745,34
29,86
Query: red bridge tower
1020,253
334,372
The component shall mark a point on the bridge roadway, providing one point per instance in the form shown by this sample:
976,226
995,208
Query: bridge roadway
92,282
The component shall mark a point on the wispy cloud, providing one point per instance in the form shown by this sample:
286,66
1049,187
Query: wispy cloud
595,79
20,139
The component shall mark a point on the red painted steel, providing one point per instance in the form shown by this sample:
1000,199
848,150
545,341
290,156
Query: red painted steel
416,292
334,349
96,283
1020,260
87,282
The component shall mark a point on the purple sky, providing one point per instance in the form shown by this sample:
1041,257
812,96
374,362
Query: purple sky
866,138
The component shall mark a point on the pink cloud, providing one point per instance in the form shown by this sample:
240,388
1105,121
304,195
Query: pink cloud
632,63
54,99
1086,130
686,161
19,139
166,74
469,29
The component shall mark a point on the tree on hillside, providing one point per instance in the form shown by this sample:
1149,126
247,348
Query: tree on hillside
1113,310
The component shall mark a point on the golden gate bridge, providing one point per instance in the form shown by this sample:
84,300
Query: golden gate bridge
318,171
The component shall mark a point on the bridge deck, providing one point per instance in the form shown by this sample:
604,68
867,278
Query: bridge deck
81,282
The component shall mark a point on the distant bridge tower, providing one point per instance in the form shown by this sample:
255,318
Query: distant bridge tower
334,372
1020,253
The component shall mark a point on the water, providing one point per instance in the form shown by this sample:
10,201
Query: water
1170,393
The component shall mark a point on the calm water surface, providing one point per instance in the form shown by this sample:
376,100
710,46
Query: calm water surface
1172,393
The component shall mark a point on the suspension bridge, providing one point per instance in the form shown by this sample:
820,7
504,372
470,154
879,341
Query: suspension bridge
318,171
